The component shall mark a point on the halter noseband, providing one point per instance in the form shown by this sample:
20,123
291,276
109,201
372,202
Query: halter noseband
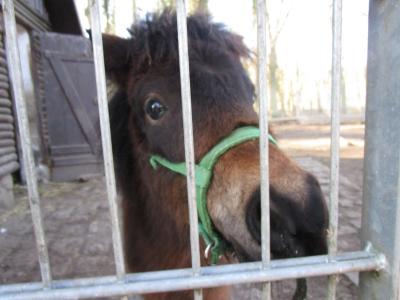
203,175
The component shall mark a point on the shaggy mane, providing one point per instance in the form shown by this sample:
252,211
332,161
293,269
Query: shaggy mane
156,43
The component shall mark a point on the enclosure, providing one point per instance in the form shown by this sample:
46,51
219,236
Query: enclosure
379,258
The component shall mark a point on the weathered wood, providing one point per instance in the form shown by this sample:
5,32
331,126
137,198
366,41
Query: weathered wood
9,168
4,102
66,88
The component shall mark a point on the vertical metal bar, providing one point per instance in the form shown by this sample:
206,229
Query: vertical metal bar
106,136
264,151
15,72
335,138
188,137
381,194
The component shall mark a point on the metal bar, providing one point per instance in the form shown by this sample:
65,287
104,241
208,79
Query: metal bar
181,14
264,151
207,270
22,118
106,137
164,281
335,138
381,195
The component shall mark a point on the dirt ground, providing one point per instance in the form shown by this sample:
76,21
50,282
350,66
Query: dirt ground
77,225
314,141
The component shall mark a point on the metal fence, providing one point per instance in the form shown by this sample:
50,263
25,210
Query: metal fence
381,211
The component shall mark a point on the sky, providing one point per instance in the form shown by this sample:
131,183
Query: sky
304,44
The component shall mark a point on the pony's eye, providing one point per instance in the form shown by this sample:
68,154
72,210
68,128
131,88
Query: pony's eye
155,109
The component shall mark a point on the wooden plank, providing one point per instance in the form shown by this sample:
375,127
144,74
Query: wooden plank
74,100
7,150
5,127
4,85
69,149
5,159
4,93
6,134
6,119
9,168
4,102
7,143
5,111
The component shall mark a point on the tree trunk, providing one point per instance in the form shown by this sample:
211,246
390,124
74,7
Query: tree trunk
199,5
273,80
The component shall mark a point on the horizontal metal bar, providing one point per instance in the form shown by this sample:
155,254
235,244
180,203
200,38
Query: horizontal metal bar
183,279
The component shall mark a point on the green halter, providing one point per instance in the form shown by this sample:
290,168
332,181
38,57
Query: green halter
203,175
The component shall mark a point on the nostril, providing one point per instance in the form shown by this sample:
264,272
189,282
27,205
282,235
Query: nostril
253,216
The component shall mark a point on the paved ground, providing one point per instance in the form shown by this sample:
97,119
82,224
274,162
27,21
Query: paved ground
78,229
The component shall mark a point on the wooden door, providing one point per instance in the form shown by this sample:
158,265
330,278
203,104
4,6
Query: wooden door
66,92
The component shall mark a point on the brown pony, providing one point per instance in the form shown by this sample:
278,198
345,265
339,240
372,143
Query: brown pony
146,119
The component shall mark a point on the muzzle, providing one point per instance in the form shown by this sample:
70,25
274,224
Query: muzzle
203,175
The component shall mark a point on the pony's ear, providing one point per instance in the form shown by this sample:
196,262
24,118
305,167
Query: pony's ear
117,58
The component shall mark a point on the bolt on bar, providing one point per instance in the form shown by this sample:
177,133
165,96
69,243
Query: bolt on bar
188,137
14,67
183,279
335,138
106,136
264,141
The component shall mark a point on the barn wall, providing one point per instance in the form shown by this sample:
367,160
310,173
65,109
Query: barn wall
30,15
8,149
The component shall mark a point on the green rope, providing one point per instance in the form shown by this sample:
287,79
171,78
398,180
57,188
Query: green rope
203,175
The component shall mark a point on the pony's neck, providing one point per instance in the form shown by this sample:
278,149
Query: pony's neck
153,241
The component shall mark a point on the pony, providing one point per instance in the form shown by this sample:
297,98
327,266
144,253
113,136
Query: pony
146,120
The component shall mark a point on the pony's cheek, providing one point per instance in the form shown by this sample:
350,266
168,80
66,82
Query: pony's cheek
228,197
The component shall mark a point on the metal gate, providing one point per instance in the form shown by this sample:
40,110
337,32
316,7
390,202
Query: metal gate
381,206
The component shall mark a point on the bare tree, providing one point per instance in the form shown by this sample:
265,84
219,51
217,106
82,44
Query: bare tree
109,12
275,26
198,5
134,12
194,5
166,3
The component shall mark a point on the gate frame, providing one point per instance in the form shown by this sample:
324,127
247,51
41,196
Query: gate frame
381,193
203,277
